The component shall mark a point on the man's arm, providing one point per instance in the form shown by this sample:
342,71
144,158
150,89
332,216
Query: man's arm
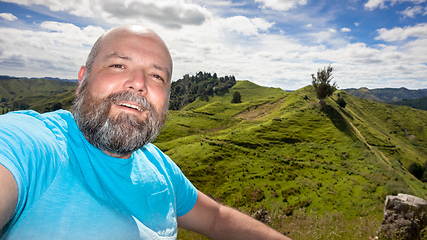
8,195
220,222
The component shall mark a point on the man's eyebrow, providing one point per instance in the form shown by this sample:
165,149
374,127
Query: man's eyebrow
115,54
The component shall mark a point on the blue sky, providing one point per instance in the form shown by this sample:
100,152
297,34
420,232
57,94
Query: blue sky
274,43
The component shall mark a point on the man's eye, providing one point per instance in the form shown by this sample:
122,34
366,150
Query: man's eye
117,66
158,77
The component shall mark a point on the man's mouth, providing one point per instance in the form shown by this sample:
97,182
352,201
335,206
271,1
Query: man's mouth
128,105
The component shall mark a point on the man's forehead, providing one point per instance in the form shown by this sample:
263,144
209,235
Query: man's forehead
116,55
117,36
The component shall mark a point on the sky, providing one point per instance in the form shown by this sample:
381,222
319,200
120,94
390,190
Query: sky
273,43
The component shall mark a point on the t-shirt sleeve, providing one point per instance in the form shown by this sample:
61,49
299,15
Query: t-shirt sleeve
185,192
25,152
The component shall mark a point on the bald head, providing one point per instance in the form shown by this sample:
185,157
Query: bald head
118,33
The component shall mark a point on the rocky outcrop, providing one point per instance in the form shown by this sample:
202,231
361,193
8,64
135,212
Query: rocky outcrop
404,217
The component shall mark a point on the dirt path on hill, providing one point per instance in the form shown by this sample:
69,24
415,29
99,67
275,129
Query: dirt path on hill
360,136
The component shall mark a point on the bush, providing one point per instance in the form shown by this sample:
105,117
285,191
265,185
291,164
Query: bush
237,98
417,170
341,102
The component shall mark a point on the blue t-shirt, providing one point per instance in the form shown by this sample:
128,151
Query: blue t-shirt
69,189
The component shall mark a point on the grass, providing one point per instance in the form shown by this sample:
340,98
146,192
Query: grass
37,94
324,170
320,173
310,225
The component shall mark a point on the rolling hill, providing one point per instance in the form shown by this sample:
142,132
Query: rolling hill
281,152
418,103
388,95
38,94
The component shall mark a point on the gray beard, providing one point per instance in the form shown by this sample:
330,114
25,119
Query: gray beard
122,134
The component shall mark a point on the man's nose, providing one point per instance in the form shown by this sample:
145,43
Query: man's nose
137,82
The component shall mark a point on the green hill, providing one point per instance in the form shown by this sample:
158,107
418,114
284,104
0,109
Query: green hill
419,103
277,150
397,96
38,94
316,172
389,95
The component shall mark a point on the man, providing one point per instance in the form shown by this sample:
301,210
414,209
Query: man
94,174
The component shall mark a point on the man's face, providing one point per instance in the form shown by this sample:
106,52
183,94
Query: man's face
122,103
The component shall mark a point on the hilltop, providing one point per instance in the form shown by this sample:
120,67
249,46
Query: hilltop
398,96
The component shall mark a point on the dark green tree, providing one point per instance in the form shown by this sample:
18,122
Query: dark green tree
322,84
237,98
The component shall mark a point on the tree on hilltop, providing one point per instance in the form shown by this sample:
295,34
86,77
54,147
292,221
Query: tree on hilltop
322,84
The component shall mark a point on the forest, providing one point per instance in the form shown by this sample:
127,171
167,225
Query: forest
203,86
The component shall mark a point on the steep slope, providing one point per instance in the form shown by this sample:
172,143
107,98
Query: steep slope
280,151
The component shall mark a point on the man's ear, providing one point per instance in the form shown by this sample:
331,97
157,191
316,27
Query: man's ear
81,74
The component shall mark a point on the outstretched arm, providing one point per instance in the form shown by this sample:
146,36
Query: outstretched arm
8,195
220,222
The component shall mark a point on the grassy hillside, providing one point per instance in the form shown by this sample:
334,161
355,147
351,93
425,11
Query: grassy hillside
320,173
387,94
278,150
37,94
419,103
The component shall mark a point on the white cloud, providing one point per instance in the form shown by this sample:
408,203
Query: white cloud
360,65
412,11
281,5
54,49
252,48
168,13
397,34
246,26
8,16
373,4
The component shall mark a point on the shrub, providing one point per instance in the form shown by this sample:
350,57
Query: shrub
237,98
416,169
341,102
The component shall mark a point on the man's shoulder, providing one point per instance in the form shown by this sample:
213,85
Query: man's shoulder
37,127
31,115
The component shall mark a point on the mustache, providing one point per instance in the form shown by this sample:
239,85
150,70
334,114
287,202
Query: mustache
131,97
